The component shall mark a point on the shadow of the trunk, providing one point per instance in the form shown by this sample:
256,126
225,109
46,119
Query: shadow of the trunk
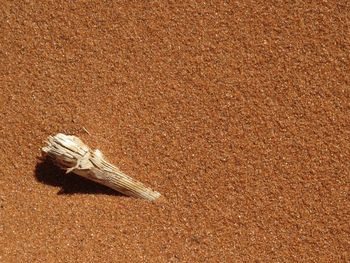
48,173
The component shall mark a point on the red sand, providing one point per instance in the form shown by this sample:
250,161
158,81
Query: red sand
238,113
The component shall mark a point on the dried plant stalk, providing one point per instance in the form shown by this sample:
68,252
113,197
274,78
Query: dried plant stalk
72,155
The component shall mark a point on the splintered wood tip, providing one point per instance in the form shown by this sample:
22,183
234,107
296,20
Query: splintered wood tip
72,155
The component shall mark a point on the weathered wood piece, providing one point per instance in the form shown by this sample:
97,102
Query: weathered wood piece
72,155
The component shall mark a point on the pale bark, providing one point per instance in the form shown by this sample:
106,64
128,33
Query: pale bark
72,155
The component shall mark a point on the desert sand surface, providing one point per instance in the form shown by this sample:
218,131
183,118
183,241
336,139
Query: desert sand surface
237,112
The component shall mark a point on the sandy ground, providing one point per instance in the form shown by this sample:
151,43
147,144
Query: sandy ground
237,112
